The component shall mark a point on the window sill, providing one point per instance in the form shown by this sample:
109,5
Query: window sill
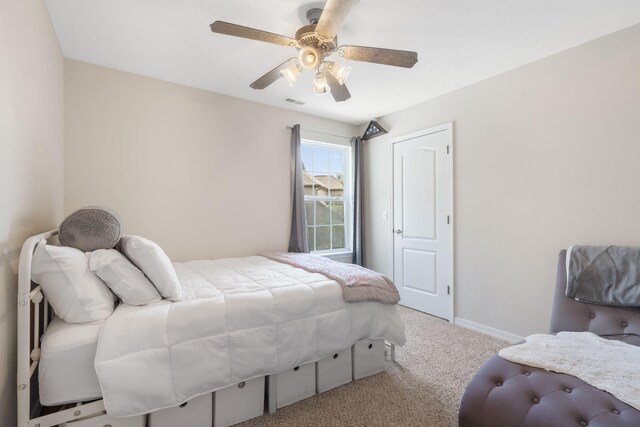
337,255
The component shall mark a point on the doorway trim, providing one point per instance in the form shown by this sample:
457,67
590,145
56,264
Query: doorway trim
439,128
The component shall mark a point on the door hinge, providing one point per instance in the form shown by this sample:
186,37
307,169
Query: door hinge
447,149
448,219
448,290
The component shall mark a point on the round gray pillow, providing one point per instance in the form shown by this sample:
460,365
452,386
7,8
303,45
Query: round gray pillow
91,228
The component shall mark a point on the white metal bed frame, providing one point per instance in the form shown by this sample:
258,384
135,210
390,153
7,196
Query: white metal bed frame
34,314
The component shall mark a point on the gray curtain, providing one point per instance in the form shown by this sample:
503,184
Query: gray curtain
358,255
298,241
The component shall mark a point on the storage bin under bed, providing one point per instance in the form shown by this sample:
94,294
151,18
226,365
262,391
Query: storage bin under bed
238,403
333,371
368,358
294,385
197,412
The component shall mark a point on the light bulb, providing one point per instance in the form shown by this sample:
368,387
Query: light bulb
291,73
320,86
339,71
310,57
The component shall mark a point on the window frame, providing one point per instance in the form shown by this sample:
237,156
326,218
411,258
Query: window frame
347,198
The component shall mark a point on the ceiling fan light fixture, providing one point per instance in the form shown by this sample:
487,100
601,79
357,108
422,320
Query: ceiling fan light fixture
340,72
309,57
291,73
313,43
320,86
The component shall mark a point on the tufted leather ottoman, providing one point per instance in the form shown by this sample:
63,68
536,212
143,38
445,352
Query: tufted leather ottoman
507,394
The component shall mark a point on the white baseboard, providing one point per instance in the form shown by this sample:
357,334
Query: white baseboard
487,330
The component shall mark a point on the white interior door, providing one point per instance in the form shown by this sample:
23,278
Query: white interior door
422,220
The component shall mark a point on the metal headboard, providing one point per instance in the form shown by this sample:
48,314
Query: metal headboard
34,314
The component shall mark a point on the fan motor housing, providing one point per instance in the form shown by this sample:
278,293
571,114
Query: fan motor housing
307,36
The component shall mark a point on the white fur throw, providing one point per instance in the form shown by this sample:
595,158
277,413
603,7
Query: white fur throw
612,366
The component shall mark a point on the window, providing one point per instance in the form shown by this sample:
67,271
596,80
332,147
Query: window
327,195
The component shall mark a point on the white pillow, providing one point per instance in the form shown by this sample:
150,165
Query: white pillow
75,293
154,263
122,277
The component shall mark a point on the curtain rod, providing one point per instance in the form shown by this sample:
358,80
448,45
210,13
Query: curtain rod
322,133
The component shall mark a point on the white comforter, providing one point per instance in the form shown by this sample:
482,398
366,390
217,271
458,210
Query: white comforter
240,318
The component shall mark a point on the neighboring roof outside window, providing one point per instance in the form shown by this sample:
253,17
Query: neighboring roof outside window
326,182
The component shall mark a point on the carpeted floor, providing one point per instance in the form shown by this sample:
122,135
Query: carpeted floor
423,387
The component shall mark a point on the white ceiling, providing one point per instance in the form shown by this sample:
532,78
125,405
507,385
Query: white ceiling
459,42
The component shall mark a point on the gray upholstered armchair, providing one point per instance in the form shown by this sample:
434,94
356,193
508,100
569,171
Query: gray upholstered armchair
507,394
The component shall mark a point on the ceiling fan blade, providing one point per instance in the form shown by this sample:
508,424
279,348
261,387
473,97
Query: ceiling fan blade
398,58
338,91
334,14
271,76
229,29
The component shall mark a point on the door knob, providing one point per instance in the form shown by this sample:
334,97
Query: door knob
398,231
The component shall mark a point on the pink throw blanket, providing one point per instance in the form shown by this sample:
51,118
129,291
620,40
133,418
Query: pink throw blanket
358,283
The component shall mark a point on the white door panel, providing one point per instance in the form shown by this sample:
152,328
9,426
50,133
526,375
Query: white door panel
418,180
420,270
421,208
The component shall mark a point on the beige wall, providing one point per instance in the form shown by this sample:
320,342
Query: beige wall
31,158
545,156
204,175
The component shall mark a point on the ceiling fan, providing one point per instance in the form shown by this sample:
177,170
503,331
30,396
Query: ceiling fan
315,42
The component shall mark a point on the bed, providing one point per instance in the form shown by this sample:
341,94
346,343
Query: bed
241,319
